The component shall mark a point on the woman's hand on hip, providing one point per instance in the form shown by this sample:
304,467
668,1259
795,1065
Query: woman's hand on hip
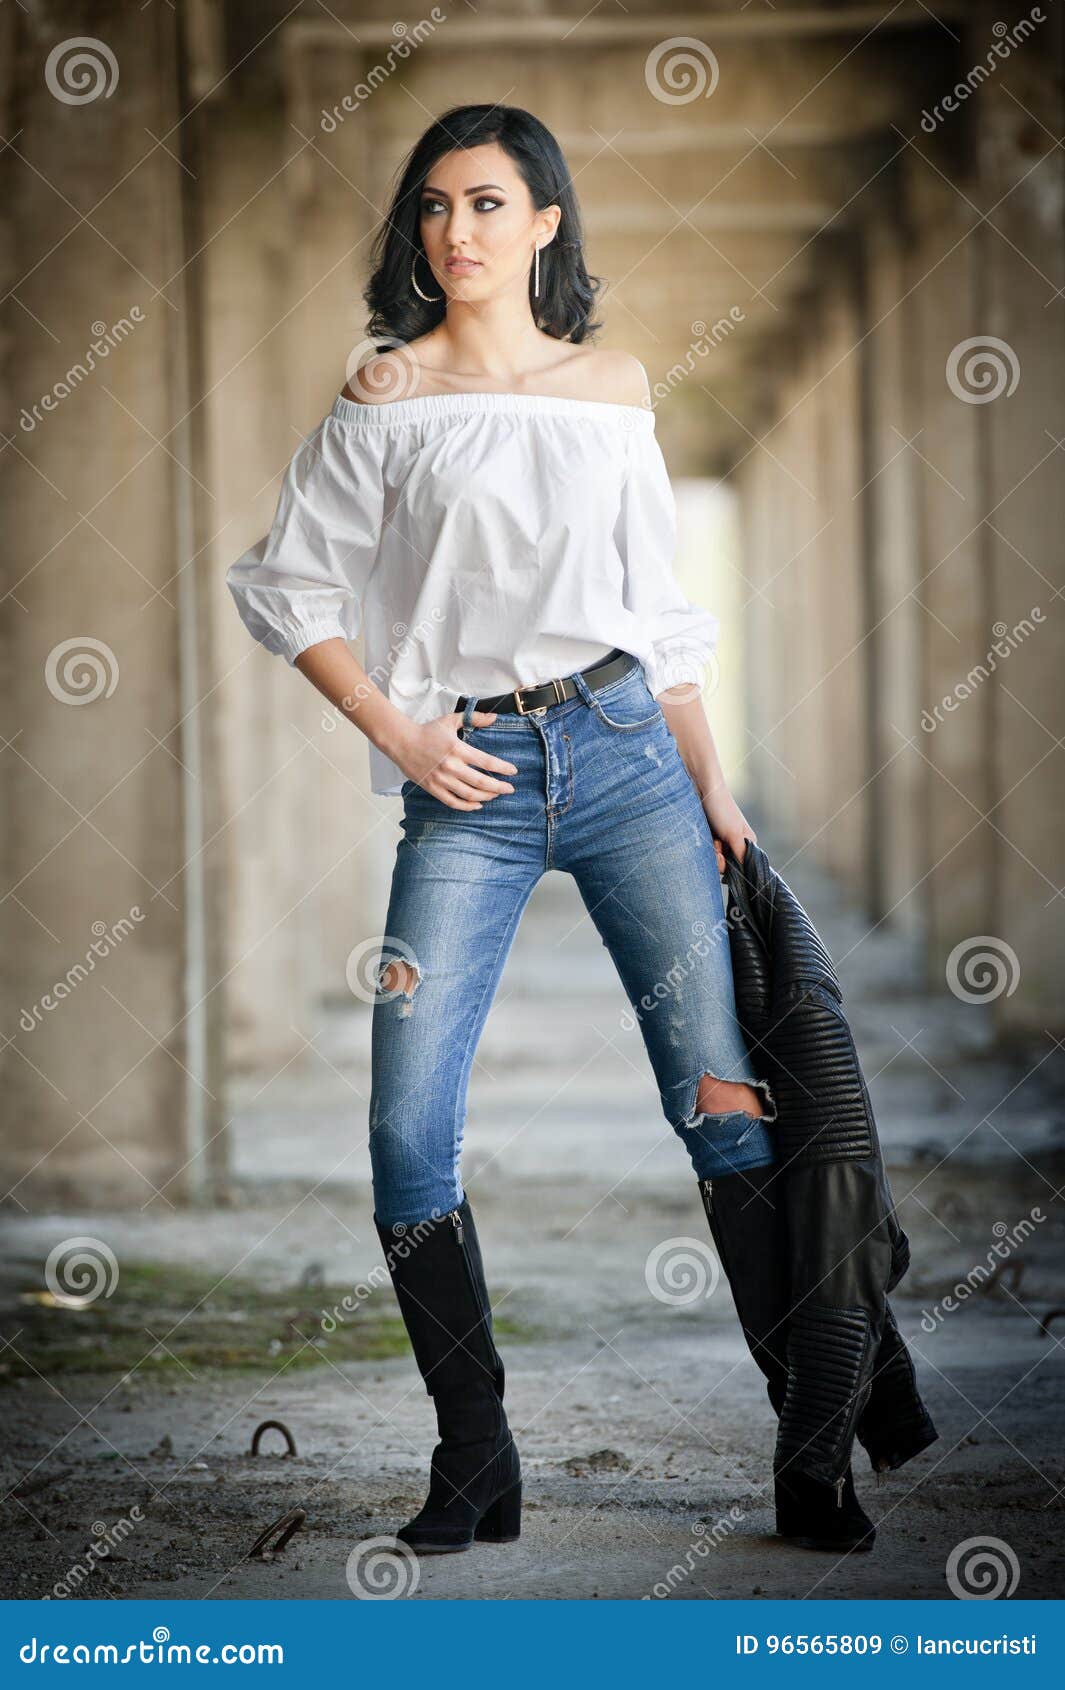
435,758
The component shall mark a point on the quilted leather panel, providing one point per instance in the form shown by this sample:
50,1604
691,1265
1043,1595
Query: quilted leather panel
750,972
828,1368
798,949
821,1101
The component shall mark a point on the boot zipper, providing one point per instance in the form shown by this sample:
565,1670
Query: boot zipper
460,1235
839,1491
707,1188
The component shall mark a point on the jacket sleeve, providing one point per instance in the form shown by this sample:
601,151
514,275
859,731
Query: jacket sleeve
304,581
683,636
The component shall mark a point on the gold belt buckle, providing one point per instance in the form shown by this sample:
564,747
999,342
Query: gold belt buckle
537,709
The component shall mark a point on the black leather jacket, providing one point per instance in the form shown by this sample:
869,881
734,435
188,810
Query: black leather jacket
849,1371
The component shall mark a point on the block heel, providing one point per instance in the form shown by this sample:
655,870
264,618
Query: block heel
501,1521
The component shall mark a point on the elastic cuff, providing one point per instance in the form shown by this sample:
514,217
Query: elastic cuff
299,639
687,661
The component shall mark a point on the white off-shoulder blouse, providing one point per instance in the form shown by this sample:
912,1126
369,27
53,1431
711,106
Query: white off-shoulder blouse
479,542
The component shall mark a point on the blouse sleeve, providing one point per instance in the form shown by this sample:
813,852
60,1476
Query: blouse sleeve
304,581
682,635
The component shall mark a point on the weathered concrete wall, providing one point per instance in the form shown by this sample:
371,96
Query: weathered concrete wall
897,781
1023,177
922,493
106,1080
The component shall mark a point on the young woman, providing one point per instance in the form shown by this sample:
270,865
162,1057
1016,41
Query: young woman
487,502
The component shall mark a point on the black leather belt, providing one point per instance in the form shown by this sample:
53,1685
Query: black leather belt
539,696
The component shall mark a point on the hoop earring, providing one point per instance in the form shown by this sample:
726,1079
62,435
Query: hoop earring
536,270
430,298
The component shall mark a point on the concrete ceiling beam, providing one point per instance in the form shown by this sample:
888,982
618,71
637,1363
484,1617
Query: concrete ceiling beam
785,24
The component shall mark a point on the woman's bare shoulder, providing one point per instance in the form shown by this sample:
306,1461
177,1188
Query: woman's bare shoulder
384,377
614,376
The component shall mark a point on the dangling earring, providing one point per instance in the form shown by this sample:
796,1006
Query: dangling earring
536,270
430,298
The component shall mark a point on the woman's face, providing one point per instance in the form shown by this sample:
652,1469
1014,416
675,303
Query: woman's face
478,225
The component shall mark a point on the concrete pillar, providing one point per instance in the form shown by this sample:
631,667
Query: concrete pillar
108,1077
952,587
898,772
837,709
812,578
1023,251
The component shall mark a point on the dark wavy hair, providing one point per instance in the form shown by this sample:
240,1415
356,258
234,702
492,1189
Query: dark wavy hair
567,295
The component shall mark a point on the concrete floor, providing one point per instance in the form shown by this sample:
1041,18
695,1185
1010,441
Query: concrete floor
643,1427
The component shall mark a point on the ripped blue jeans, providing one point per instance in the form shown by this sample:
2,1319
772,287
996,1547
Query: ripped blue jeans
601,793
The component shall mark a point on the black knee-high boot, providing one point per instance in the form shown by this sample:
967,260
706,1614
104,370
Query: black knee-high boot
475,1476
744,1225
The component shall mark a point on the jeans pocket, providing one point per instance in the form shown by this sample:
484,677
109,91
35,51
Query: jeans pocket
628,705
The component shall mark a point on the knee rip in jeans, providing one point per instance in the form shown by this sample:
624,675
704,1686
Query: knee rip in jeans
395,978
732,1097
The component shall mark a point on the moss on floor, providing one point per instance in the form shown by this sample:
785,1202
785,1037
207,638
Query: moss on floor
172,1320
